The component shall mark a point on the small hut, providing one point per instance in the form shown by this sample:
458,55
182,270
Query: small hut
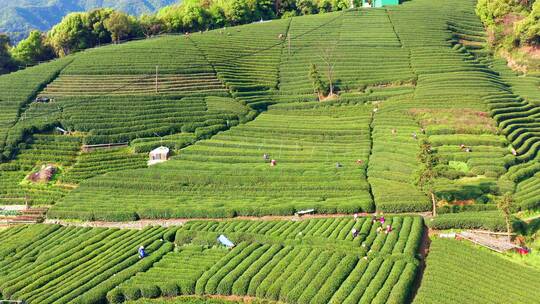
158,155
43,99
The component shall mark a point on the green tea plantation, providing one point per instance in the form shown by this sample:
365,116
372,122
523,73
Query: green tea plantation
369,155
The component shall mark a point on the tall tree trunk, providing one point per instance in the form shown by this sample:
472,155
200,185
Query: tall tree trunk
330,80
434,203
277,6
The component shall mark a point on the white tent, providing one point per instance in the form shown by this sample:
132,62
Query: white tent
225,241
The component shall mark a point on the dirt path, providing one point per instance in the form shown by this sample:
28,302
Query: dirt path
140,224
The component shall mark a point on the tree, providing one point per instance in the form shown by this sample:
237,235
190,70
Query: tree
7,63
263,9
96,24
318,86
307,7
119,24
237,12
194,16
528,29
71,34
217,15
327,56
505,204
426,174
491,11
151,25
277,6
33,49
286,6
325,6
171,17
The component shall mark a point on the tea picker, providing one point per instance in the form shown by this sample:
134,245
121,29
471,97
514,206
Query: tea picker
142,253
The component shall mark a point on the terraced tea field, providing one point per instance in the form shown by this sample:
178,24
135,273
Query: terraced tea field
417,93
453,266
92,260
409,82
304,267
315,150
252,97
228,175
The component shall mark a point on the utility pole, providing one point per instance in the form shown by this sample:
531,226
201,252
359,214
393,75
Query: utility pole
160,138
157,79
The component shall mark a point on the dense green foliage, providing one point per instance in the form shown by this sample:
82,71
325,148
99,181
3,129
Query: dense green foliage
394,160
305,267
328,233
60,151
88,262
187,300
454,267
528,30
7,63
17,90
19,17
33,49
79,31
357,152
513,27
230,167
294,262
102,161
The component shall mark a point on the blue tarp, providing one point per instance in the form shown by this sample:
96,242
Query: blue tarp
225,241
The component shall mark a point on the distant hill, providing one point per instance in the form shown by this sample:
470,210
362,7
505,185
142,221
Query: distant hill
18,17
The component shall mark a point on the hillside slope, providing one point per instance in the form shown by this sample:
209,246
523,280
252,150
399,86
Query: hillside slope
312,261
453,267
401,83
420,76
443,75
249,136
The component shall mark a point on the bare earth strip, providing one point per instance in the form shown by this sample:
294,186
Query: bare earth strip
140,224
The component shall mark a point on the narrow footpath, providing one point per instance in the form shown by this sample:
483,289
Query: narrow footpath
140,224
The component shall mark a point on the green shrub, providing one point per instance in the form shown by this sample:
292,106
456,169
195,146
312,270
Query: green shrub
150,291
489,220
465,208
115,296
131,292
169,289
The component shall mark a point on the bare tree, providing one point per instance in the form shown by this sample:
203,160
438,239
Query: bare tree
151,26
327,56
277,6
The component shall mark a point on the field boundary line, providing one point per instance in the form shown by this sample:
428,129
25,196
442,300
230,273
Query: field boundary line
140,224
